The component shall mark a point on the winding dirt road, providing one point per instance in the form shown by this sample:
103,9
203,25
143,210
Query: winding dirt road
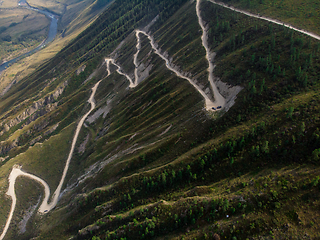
110,60
209,104
313,35
17,172
219,101
135,59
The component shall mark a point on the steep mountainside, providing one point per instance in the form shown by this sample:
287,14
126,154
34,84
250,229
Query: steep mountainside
185,120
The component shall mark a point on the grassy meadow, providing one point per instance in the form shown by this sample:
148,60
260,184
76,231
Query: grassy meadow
57,7
20,31
74,19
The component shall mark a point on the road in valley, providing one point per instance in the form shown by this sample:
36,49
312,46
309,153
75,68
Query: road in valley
51,34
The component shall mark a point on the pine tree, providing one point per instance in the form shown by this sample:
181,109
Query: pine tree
290,112
265,147
262,86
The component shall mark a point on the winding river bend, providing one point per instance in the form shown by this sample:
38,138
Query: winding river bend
51,34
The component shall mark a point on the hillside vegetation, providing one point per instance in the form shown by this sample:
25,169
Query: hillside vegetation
151,162
20,31
302,14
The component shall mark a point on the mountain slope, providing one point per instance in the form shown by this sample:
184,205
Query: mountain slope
151,161
301,14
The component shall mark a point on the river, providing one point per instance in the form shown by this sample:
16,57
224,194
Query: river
51,35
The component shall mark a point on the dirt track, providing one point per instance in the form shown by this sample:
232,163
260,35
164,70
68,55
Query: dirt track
16,172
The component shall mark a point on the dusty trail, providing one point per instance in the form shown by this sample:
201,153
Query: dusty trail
110,60
16,172
315,36
208,102
45,206
135,59
219,100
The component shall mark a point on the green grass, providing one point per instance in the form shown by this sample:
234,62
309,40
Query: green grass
26,29
225,176
186,47
5,205
28,195
301,14
258,163
46,160
56,7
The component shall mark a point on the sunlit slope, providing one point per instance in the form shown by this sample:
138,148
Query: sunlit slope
57,7
151,162
201,188
20,30
74,18
25,97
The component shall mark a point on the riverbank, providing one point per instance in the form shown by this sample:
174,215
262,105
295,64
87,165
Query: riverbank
51,34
